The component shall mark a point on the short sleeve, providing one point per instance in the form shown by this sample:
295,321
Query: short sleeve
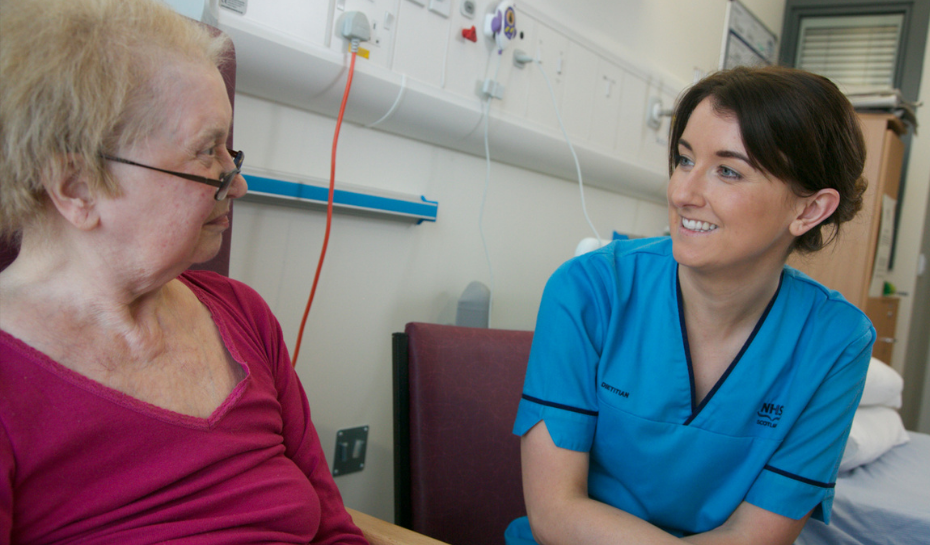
801,474
560,385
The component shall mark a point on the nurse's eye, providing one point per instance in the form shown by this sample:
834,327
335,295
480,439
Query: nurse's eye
730,174
683,162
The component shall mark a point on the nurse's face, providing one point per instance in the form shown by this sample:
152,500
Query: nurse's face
725,215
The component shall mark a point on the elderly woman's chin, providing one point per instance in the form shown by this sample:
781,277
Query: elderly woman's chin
211,240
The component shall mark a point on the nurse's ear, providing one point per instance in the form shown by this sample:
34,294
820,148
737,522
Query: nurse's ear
71,192
814,209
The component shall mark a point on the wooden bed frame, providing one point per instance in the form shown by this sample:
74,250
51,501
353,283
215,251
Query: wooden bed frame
379,532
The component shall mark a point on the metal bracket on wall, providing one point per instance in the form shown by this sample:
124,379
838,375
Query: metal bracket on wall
351,445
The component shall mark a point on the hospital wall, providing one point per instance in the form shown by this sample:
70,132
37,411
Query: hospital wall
913,240
380,274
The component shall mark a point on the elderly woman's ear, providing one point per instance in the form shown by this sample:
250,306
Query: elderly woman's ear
72,193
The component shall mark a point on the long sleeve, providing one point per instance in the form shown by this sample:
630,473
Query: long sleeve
302,444
7,469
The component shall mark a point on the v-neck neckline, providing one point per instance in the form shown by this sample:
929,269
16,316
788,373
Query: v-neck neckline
696,408
137,405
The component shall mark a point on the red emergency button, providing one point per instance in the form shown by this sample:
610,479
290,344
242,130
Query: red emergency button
470,34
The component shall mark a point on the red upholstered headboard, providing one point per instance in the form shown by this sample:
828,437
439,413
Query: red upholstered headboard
220,263
457,464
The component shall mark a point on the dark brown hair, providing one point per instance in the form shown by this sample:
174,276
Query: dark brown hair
796,126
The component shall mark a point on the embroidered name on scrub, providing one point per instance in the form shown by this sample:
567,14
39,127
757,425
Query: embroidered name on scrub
613,390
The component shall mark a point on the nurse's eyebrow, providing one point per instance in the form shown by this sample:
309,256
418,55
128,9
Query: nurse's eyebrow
734,155
721,153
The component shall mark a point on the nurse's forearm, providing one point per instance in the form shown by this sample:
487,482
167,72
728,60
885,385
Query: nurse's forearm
583,521
555,487
752,525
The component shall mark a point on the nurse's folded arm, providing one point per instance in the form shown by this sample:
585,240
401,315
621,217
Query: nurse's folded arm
555,486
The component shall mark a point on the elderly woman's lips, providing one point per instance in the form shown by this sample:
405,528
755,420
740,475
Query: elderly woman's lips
222,219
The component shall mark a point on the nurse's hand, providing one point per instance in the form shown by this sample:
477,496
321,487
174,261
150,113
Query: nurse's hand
555,488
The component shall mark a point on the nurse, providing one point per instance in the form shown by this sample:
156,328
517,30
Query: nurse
695,388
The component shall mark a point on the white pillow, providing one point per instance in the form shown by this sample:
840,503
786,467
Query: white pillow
883,386
875,431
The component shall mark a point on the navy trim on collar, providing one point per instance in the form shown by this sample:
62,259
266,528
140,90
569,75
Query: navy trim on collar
696,409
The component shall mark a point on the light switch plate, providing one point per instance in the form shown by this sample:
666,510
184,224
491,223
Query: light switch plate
351,446
441,7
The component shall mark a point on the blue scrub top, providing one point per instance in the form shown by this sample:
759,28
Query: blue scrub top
610,374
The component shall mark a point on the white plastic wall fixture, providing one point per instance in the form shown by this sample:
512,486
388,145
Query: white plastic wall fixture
276,67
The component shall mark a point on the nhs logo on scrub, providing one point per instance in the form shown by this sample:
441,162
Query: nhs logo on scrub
769,415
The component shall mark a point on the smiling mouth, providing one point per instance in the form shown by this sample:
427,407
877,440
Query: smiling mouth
698,226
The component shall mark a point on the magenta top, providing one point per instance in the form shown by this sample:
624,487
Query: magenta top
80,462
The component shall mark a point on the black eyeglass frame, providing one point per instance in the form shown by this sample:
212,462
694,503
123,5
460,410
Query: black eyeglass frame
225,180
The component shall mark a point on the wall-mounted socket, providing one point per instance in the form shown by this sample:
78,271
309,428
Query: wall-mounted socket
351,445
468,8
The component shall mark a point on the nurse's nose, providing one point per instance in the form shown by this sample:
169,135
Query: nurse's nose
685,188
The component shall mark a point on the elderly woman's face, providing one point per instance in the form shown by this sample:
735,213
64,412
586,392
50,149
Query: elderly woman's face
163,221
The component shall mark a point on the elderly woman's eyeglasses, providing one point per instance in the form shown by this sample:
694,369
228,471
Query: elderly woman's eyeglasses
223,183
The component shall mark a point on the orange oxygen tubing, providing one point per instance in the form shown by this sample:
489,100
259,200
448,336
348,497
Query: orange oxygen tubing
329,204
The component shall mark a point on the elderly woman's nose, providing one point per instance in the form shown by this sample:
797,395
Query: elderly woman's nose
238,187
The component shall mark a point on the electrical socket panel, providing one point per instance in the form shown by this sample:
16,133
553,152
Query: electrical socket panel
602,102
382,19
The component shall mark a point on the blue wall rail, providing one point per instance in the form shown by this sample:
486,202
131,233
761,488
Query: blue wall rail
271,189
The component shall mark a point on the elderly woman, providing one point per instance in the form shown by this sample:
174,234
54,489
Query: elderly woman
139,403
695,388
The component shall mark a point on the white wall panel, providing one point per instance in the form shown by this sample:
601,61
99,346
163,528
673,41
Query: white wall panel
606,102
421,43
631,126
551,48
305,21
577,105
